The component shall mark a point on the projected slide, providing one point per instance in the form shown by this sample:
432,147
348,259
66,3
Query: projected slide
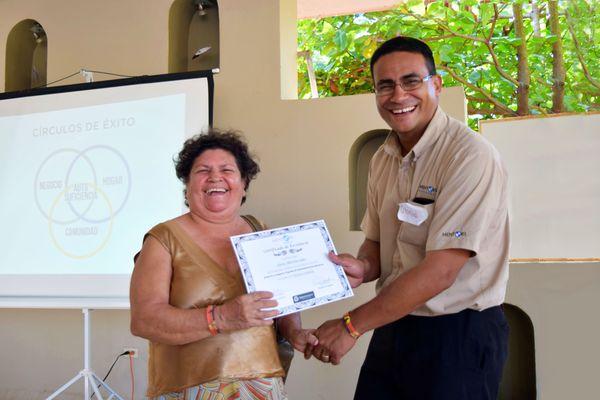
81,186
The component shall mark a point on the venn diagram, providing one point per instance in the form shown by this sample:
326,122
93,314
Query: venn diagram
80,192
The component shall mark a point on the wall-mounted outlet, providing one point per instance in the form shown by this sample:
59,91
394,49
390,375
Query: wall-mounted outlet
132,351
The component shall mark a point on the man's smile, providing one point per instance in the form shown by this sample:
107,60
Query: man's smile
404,110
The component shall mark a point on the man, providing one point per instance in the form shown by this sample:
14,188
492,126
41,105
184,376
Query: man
436,237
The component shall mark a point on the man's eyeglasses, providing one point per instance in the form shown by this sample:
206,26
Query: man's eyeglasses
387,87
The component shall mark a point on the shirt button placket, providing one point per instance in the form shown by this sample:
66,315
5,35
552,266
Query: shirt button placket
405,179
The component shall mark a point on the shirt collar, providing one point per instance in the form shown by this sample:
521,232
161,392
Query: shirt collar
434,129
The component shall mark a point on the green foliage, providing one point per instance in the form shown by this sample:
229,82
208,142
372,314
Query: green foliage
475,45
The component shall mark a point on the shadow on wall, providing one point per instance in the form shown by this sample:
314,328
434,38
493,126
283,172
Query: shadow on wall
26,56
193,35
518,379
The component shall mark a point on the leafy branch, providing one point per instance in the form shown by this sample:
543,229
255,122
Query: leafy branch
512,57
487,96
578,51
485,41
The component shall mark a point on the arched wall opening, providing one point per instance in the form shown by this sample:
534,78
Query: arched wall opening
519,375
193,35
26,56
361,153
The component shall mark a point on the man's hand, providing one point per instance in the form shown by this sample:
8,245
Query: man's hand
353,267
334,341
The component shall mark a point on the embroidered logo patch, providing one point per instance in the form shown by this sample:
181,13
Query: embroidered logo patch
427,192
456,234
428,189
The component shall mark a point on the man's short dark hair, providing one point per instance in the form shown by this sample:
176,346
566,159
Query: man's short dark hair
408,44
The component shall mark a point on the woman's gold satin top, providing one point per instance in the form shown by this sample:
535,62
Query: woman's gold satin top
198,281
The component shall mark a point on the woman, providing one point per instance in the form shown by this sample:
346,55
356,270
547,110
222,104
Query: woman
208,338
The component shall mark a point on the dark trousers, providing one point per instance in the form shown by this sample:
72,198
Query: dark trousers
458,356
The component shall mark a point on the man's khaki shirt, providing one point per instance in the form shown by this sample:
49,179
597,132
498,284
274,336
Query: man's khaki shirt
462,178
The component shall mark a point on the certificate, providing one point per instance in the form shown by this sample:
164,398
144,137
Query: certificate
292,263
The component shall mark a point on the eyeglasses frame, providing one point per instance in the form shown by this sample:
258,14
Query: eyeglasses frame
423,80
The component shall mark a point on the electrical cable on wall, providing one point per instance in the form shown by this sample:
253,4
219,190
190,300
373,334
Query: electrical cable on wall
56,81
112,366
132,376
79,72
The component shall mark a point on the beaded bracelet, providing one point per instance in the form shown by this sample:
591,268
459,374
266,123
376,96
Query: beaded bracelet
349,327
210,319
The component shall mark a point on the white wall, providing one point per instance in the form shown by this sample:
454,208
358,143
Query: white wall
562,301
552,164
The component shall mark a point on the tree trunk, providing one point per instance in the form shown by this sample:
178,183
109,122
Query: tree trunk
523,68
558,68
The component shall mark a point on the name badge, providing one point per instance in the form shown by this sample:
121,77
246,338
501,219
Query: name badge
412,214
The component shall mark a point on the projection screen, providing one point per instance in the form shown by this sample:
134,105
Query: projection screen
85,171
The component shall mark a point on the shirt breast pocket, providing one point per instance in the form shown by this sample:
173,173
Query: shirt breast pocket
417,234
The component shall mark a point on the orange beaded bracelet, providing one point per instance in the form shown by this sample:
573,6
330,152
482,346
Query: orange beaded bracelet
210,319
349,327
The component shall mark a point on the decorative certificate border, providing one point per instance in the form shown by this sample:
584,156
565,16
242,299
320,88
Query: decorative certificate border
237,242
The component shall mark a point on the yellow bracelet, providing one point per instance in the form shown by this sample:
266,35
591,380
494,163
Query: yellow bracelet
349,327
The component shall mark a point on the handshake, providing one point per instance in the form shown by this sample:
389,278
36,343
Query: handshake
331,341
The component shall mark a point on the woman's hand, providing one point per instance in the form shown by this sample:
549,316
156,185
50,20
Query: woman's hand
246,311
303,340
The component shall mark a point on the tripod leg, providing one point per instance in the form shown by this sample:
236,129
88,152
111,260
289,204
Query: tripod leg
94,383
106,387
65,386
90,379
